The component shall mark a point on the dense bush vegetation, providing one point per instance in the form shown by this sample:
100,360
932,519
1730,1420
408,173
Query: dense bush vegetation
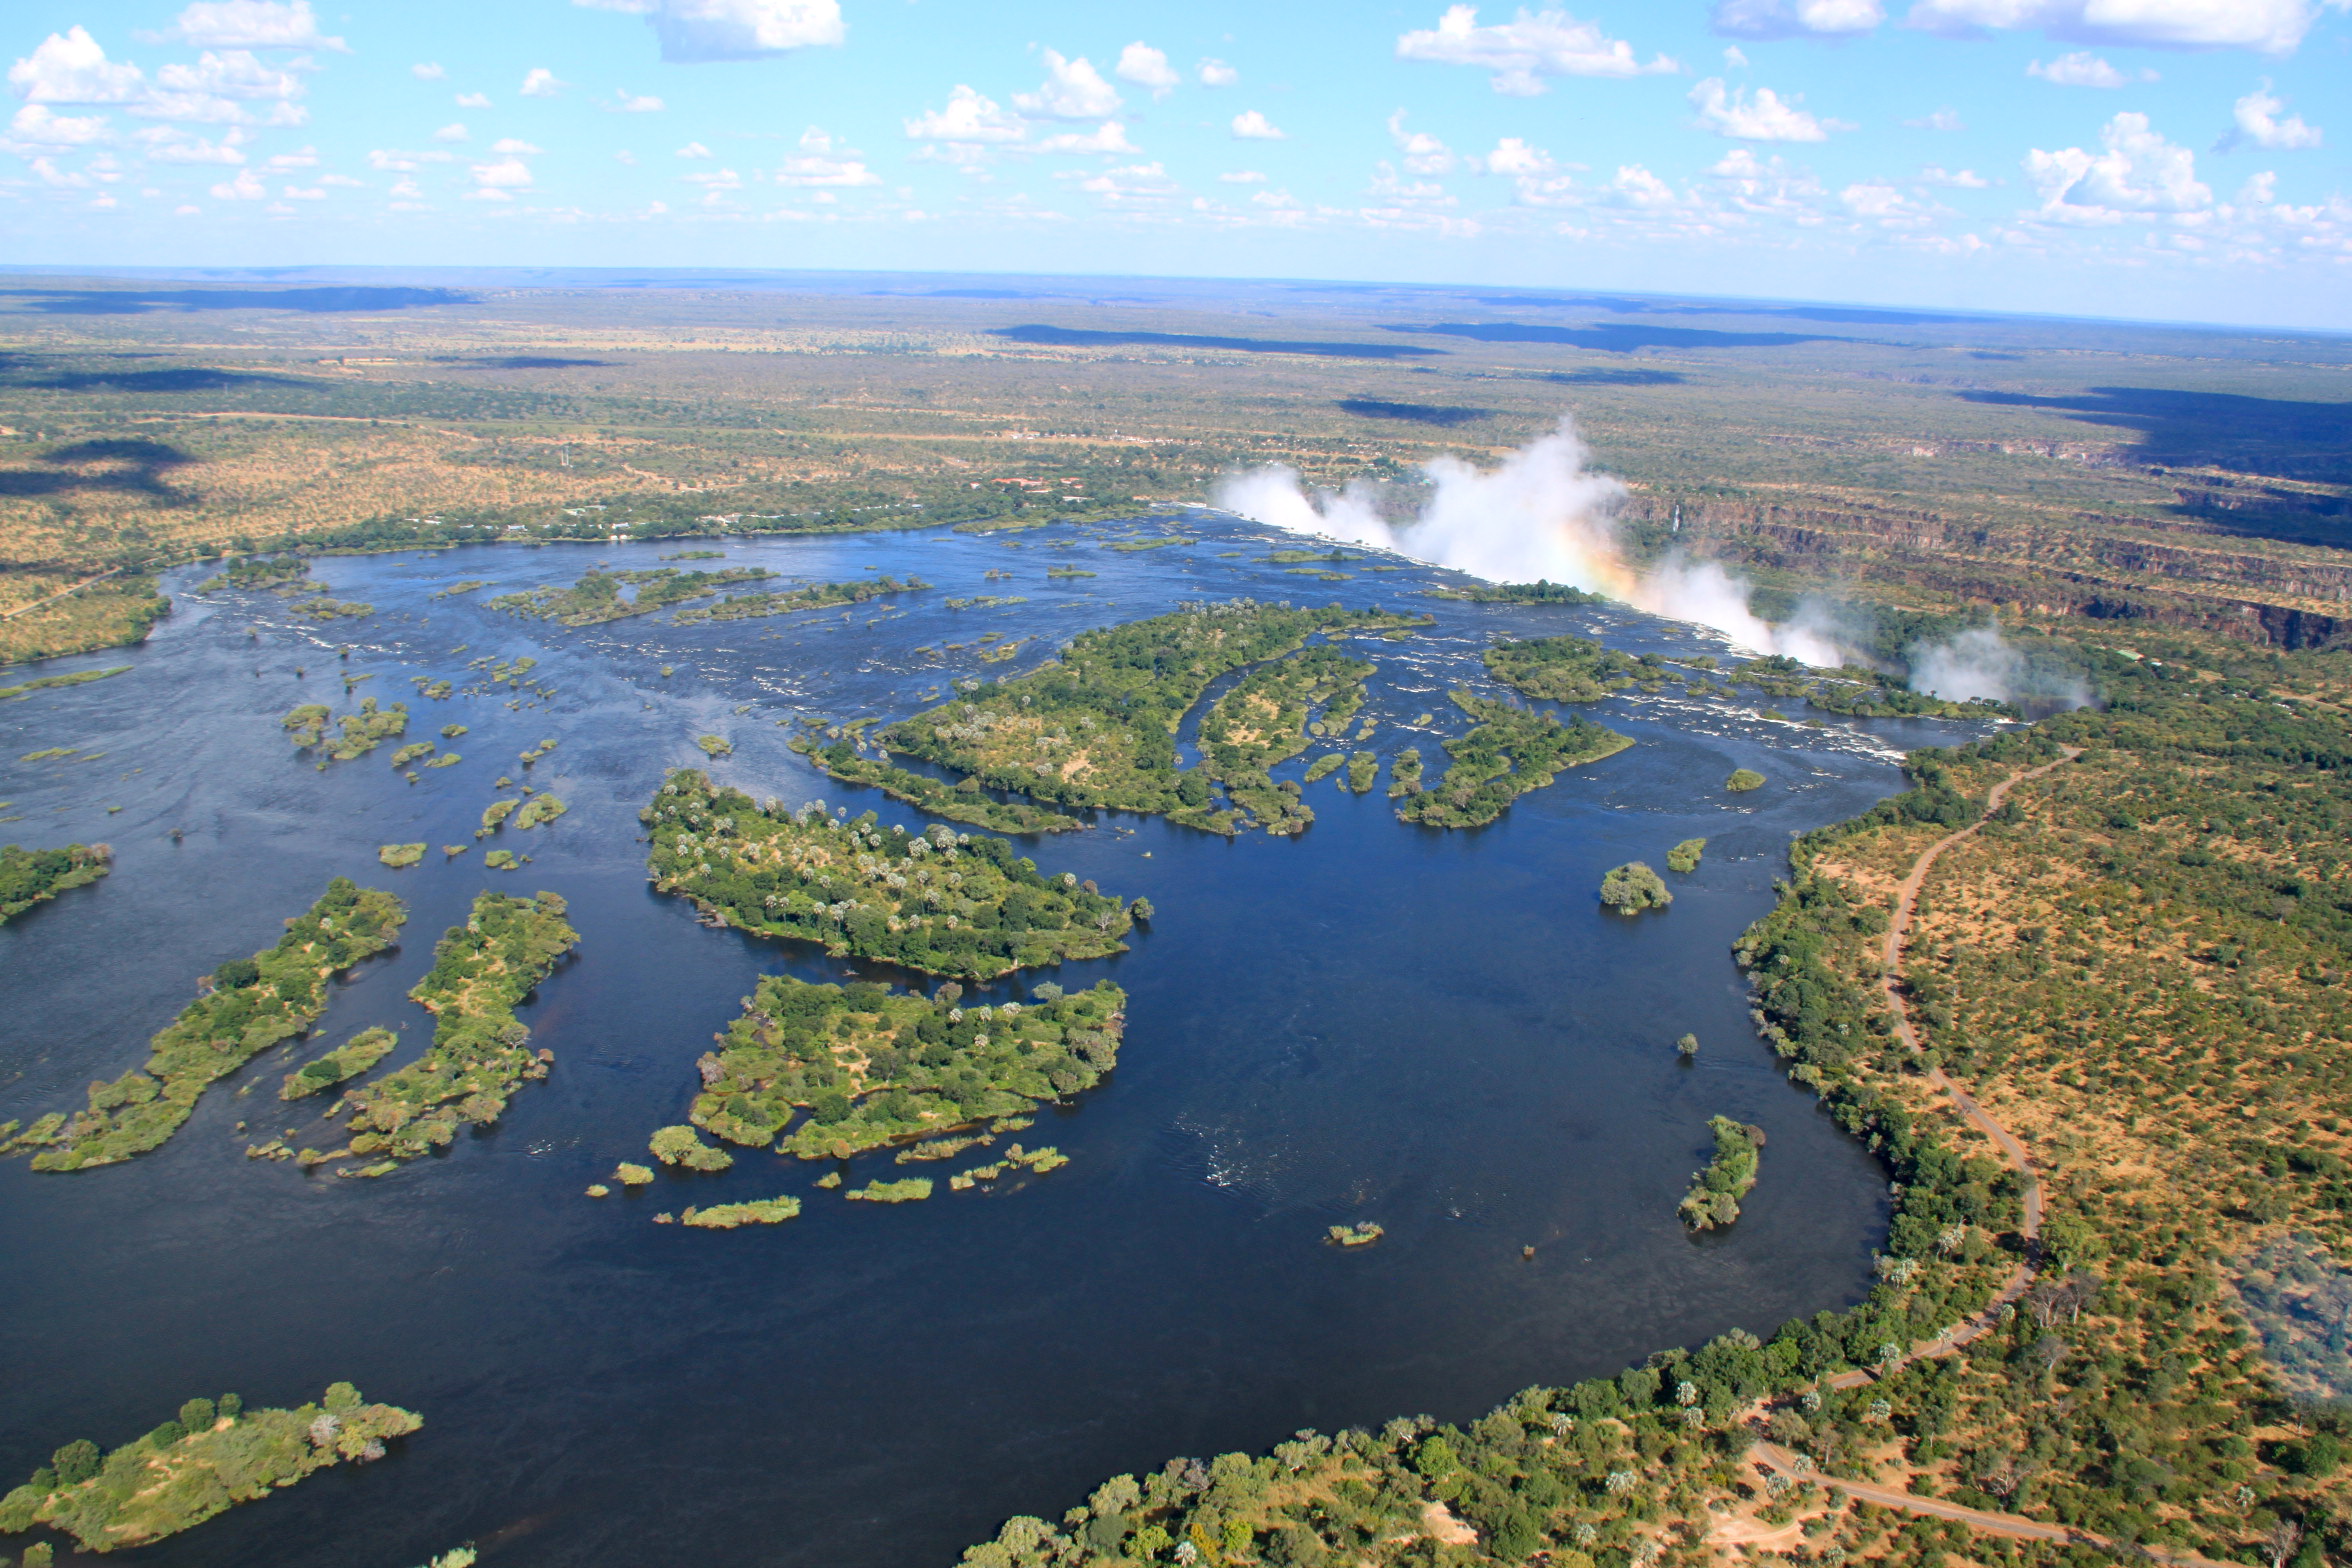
212,1456
480,1053
872,1066
1715,1194
943,902
817,596
34,876
1508,751
598,596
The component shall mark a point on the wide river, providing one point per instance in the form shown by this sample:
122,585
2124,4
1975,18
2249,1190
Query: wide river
1440,1031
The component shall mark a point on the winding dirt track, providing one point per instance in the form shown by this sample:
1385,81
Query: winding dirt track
1771,1456
53,598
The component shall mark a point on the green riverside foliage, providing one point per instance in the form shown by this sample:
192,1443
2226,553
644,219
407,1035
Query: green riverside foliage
1508,751
34,876
1537,592
596,598
1742,780
398,855
1097,726
1404,774
480,1053
821,596
943,902
258,571
1363,771
326,607
1684,857
1324,766
251,1005
873,1066
684,1146
1568,669
1715,1192
348,1060
204,1463
1263,720
726,1216
538,809
24,689
1633,887
715,746
957,802
1361,1234
355,734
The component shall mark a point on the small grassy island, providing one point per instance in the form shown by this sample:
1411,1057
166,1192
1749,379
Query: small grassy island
259,571
1684,857
873,1066
480,1053
909,1189
1507,752
348,1060
943,902
247,1006
24,689
1537,592
1634,887
1361,1234
1097,727
1568,669
212,1456
1715,1192
1742,780
398,855
820,596
597,597
353,736
34,876
727,1216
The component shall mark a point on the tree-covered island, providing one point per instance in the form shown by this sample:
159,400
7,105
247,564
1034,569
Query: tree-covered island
246,1006
1263,720
348,1060
962,802
1714,1197
1537,592
943,902
1508,751
209,1458
34,876
1097,727
481,1052
598,597
817,596
871,1066
1569,669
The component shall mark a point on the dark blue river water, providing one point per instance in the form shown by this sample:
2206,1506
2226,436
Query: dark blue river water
1440,1031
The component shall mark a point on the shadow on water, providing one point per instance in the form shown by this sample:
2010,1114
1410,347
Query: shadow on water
129,466
1609,376
1078,337
1621,305
311,301
1436,1030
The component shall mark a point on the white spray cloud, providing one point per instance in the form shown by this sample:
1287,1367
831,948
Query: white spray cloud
1540,514
1979,664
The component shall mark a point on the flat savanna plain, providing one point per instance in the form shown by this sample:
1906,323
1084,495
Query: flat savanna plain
2197,478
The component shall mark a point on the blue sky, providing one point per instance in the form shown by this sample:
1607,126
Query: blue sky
2177,159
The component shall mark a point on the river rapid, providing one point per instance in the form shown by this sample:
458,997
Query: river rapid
1440,1031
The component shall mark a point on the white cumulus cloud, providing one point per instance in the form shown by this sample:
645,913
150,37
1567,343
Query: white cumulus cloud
969,117
824,161
71,67
2271,26
540,82
1145,66
1109,137
2084,69
231,73
694,150
170,144
1513,156
1216,73
1944,119
1960,180
626,102
2137,173
455,132
506,173
1797,18
38,125
1526,49
246,186
2258,125
1072,90
473,100
1252,126
427,71
1767,117
1422,152
247,24
697,31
